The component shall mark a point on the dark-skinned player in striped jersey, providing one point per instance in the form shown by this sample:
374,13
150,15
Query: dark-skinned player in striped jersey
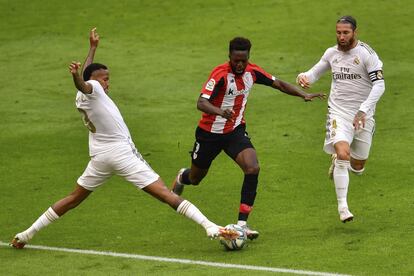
222,126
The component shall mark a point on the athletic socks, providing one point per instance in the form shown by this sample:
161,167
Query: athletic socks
187,209
248,195
242,223
341,179
44,220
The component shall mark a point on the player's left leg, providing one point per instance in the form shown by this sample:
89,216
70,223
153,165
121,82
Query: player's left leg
247,160
206,147
357,166
242,151
184,207
361,146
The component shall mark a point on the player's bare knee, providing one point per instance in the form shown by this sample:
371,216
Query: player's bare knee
343,155
252,170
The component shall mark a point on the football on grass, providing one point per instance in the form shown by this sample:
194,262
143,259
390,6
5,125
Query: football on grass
236,243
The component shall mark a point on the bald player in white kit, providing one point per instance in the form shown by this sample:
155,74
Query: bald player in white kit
112,151
357,85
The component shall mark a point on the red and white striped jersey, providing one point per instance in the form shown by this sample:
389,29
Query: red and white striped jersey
226,90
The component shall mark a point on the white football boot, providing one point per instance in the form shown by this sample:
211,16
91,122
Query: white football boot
251,234
345,215
20,240
214,231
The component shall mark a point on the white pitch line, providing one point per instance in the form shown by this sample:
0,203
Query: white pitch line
181,261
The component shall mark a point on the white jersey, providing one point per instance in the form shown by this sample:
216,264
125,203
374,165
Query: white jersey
354,73
102,117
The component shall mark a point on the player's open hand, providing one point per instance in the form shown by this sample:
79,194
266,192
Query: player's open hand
359,120
93,38
74,67
303,81
228,114
310,96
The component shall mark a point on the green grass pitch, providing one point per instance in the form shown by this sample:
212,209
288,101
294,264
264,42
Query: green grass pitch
159,54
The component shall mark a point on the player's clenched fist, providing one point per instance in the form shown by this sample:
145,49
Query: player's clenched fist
228,114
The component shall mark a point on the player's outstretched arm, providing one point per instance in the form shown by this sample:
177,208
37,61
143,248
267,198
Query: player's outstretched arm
293,90
80,84
93,41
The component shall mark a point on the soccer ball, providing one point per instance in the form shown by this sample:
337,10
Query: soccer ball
237,243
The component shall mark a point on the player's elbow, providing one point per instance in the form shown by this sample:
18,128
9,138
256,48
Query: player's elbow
201,103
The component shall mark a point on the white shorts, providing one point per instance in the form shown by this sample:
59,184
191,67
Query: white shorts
340,129
124,161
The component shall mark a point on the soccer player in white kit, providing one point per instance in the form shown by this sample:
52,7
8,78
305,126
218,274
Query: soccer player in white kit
357,85
112,152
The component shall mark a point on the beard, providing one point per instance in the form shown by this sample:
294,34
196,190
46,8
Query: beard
347,45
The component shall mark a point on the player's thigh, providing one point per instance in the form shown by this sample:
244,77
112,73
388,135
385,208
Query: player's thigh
237,142
338,130
206,148
133,167
96,173
361,145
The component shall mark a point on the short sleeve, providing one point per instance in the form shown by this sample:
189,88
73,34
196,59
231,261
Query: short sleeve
96,87
214,82
261,76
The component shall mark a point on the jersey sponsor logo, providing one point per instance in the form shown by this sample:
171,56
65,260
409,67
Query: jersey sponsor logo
237,92
210,85
345,76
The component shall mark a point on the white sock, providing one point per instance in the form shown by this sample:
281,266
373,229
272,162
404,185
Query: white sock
341,179
187,209
241,223
44,220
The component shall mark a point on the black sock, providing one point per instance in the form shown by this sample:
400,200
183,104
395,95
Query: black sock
248,195
185,177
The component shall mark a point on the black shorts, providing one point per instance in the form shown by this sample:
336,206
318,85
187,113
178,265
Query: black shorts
208,145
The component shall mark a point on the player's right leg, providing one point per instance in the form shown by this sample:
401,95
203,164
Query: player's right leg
339,135
186,176
206,147
94,175
53,213
341,179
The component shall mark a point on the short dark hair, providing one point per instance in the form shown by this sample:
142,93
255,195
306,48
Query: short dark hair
348,19
239,44
87,73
